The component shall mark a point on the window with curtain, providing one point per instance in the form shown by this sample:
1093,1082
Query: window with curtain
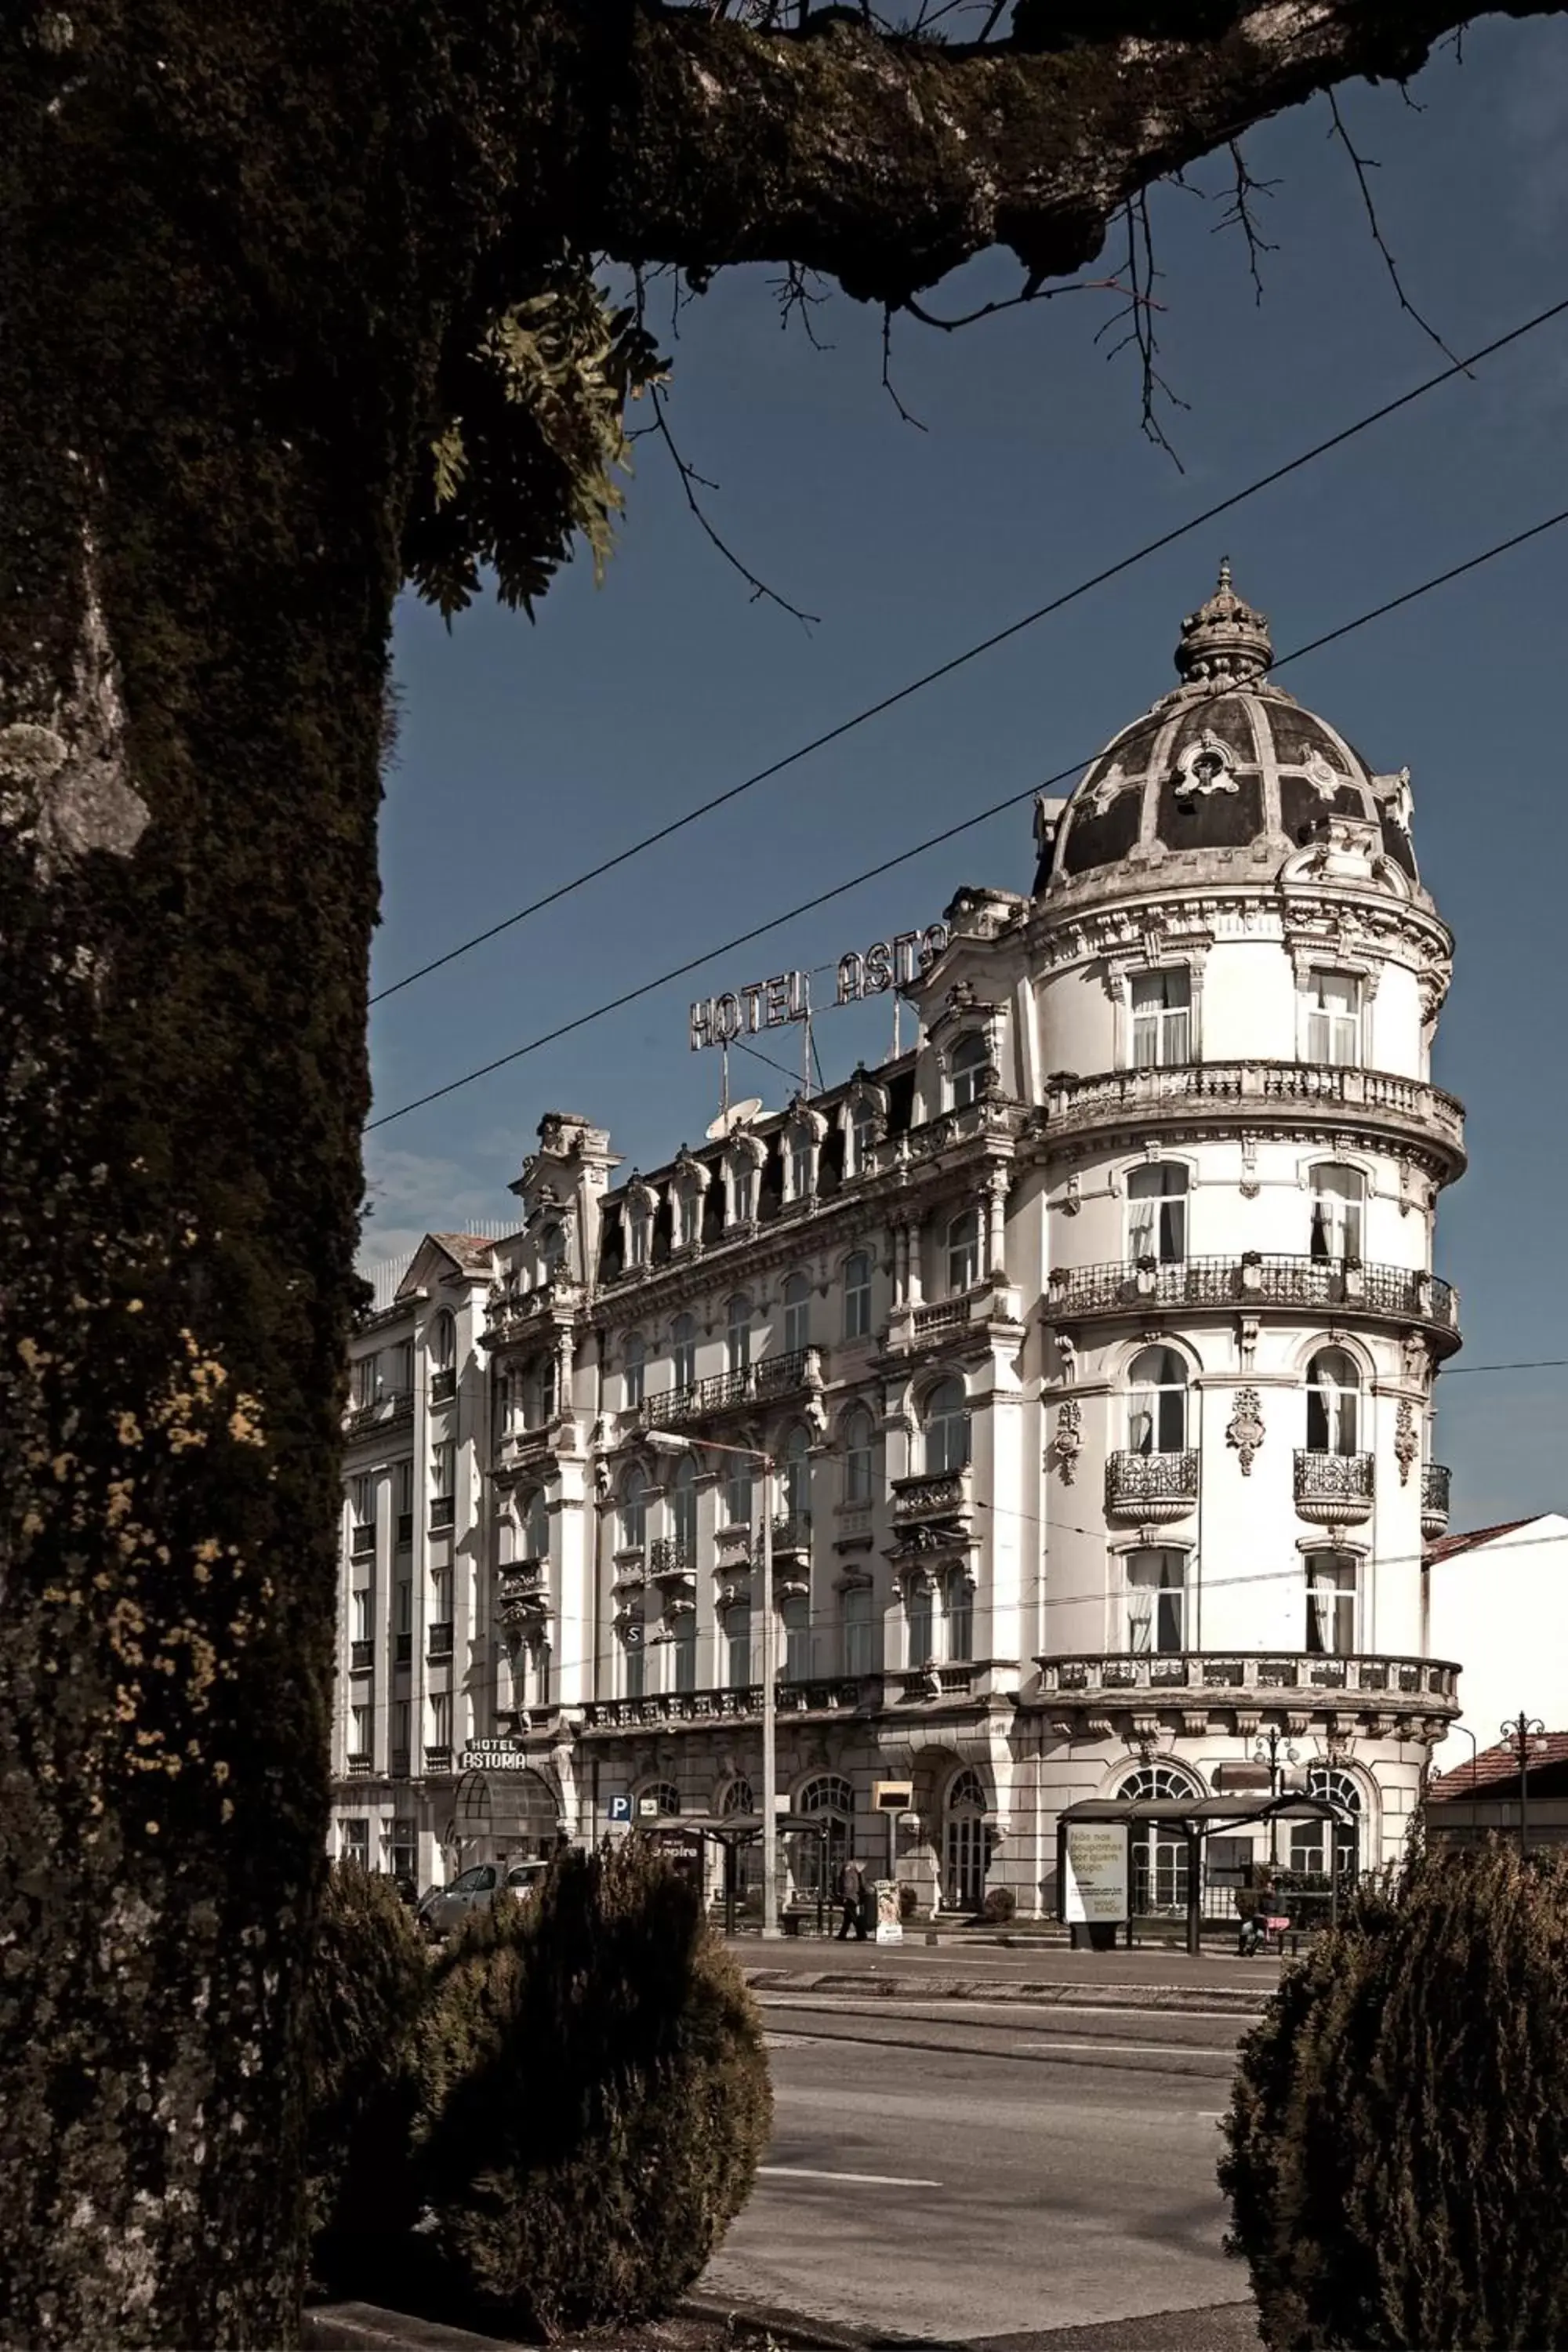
862,1135
737,1491
1162,1018
958,1594
634,1368
634,1510
857,1295
860,1440
1338,1195
1157,1213
683,1507
1332,1583
683,1350
362,1499
795,1474
1333,1403
738,1646
1156,1602
539,1385
860,1649
796,1314
1333,1001
963,1252
738,1333
536,1527
945,1425
1157,1403
970,1058
920,1625
796,1615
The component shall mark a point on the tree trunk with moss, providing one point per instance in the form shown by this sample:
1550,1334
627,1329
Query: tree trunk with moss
256,264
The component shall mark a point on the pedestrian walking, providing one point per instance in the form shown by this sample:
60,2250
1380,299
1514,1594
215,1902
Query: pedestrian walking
851,1895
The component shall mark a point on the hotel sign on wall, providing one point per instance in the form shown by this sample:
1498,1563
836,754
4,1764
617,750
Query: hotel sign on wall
772,1004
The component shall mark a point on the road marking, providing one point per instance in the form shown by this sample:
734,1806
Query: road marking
860,2179
1211,2114
1119,2049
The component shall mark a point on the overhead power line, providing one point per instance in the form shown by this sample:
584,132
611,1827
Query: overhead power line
972,653
933,841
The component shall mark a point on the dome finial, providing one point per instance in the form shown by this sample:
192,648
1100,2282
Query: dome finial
1224,640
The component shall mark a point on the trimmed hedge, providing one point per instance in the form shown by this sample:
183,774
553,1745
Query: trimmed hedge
1398,2133
593,2098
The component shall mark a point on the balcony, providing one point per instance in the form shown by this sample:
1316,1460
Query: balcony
1263,1094
381,1411
1335,1489
438,1759
443,1386
941,1317
363,1538
1194,1681
361,1657
670,1565
720,1392
916,1683
359,1765
1152,1487
438,1640
1300,1284
1435,1478
443,1511
403,1649
835,1694
522,1594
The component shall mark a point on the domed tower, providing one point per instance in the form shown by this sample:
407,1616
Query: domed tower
1236,977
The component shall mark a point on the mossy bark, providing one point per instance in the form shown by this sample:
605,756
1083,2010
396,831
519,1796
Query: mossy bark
236,242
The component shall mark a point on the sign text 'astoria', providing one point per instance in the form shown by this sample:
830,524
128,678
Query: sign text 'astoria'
769,1003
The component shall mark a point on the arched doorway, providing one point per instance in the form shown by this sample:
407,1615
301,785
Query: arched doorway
816,1862
965,1847
1159,1855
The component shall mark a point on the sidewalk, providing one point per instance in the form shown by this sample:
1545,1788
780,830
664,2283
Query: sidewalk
1045,1973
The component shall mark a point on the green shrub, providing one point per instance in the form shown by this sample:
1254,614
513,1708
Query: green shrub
370,1979
1398,2132
596,2099
999,1906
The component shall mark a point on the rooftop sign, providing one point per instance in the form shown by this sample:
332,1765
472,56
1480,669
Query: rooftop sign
786,997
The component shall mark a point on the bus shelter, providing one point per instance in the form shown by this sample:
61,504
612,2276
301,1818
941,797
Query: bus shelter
1094,1887
732,1832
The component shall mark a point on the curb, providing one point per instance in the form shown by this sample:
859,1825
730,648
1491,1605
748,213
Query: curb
366,2327
1230,2000
785,2328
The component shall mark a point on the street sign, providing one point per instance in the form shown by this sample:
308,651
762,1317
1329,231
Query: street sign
892,1796
620,1809
1094,1887
647,1808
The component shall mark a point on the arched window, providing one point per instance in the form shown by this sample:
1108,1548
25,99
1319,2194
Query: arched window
857,1295
536,1527
683,1509
1156,1602
666,1797
634,1360
633,1511
1338,1197
738,1332
795,1469
963,1251
1312,1842
1159,1854
817,1862
738,1799
1157,1403
958,1594
946,1429
443,1342
796,1314
966,1853
683,1350
1333,1403
1157,1213
970,1058
860,1442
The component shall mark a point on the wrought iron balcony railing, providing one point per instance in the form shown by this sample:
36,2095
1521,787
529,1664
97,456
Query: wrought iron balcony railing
438,1759
943,1496
792,1533
1434,1481
1151,1485
1312,1283
1333,1488
1102,1676
771,1377
669,1560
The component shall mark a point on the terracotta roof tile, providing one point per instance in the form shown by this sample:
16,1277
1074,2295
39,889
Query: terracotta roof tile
1495,1767
1446,1547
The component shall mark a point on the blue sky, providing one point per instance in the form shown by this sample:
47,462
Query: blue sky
529,753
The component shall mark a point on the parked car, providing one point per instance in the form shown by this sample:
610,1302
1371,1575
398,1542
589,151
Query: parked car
476,1889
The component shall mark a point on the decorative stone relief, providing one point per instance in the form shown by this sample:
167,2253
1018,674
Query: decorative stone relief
1246,1341
1249,1187
1205,767
1417,1360
1324,777
1406,1444
1398,802
1111,786
1069,1437
1244,1430
1072,1201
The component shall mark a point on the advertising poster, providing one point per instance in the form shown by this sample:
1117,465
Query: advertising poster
1094,1881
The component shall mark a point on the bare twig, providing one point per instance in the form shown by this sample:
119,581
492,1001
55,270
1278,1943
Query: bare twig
1361,164
1138,315
691,480
1239,214
887,385
797,299
1033,292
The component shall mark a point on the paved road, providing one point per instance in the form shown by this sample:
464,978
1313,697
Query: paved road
981,2179
1031,1964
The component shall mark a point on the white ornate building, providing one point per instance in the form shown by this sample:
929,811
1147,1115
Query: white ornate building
1094,1338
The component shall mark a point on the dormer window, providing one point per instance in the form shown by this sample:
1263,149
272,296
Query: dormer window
551,1252
971,1058
862,1134
800,1164
741,1180
639,1232
688,1208
1162,1018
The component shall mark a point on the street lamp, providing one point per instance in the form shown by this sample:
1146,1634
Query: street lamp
1520,1730
671,1442
1475,1766
1269,1754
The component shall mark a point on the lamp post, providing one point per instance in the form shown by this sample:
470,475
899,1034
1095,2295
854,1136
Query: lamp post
1269,1755
672,1443
1475,1766
1520,1730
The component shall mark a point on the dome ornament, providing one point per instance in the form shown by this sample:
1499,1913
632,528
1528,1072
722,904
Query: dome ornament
1224,642
1205,767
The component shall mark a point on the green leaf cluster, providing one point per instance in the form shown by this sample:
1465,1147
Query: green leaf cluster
531,435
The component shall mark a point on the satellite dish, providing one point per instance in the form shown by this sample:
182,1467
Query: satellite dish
739,1114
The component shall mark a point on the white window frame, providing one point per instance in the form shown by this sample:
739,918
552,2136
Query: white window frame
1334,1604
1159,1193
363,1623
683,1352
738,1334
362,1716
639,1234
1154,1602
860,1135
440,1706
1334,1407
443,1469
1159,1411
800,1164
857,1273
1336,1225
1163,1033
962,1255
1334,1037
